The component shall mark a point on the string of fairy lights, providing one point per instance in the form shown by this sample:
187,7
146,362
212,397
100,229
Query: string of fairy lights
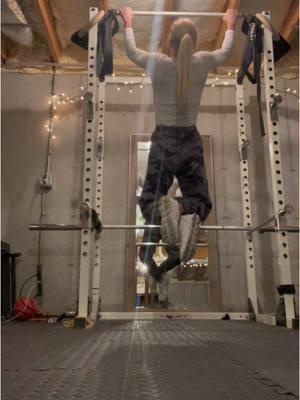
130,85
57,101
60,100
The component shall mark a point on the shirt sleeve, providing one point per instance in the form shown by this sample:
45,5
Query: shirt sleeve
215,58
138,56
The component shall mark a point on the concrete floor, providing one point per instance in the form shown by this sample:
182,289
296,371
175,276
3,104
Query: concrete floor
160,359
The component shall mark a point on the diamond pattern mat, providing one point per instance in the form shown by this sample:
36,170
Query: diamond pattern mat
149,360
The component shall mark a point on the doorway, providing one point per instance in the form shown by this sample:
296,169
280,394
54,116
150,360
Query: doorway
193,286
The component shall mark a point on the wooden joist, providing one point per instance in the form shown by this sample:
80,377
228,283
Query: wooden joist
230,4
167,22
103,5
52,38
291,21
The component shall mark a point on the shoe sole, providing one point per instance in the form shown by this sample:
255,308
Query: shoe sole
163,289
190,247
169,232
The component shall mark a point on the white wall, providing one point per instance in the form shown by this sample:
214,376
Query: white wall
24,143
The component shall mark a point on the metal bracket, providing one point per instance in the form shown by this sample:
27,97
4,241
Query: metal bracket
85,215
89,106
99,148
277,99
281,222
244,150
46,182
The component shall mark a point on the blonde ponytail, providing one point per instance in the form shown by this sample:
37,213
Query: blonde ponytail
183,62
183,40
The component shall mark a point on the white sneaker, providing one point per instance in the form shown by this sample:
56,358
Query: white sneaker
152,284
163,288
189,230
170,217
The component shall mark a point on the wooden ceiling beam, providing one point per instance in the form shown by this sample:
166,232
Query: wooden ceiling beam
103,5
49,25
291,20
230,4
167,22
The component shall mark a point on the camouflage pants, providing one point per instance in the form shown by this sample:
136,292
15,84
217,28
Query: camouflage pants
174,151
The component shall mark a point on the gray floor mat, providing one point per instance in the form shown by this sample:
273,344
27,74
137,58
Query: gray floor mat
160,359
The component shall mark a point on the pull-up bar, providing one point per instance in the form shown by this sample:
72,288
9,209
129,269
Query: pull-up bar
83,31
177,13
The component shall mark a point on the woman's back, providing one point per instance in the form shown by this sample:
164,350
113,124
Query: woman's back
168,111
163,72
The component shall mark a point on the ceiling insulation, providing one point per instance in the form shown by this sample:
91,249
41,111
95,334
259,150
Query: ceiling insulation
14,23
70,15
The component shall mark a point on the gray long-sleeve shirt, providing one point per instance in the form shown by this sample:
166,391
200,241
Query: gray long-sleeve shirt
162,71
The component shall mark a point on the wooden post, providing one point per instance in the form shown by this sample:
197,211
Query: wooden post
291,21
230,4
52,38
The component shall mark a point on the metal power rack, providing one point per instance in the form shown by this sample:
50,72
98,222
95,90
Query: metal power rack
90,258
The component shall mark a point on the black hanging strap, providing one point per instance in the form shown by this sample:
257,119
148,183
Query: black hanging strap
253,49
108,26
252,53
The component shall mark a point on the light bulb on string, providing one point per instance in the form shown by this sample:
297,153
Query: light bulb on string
288,90
229,73
126,83
141,86
130,91
82,88
213,85
53,137
295,91
118,88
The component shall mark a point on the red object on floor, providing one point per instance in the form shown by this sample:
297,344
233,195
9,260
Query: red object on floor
25,308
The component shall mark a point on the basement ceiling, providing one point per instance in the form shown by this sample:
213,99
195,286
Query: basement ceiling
30,44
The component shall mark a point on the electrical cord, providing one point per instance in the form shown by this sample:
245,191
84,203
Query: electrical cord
24,283
47,166
51,110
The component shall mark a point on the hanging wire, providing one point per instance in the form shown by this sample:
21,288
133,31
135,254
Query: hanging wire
48,165
24,283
